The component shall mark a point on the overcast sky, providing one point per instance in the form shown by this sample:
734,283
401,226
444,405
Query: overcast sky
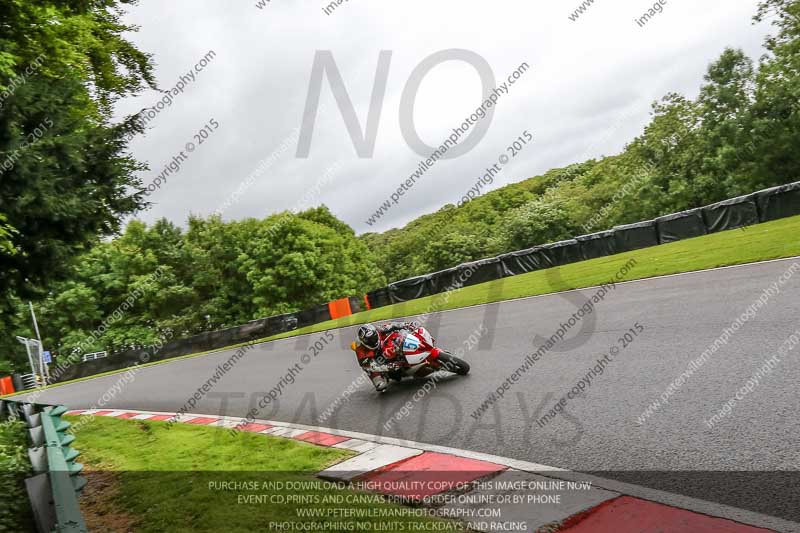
587,93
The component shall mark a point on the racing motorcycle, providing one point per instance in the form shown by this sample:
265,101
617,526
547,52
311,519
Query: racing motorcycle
414,354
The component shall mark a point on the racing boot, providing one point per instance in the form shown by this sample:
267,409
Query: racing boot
380,382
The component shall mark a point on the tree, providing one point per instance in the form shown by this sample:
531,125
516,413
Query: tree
776,110
158,281
294,263
65,177
538,222
6,237
453,249
741,134
725,103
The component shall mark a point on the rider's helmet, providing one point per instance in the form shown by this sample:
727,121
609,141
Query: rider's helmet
368,336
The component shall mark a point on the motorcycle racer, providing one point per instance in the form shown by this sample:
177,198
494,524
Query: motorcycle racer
370,347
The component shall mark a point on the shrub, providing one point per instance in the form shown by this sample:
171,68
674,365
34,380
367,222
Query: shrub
15,510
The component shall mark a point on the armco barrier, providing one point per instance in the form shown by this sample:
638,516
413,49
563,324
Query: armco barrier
16,380
53,491
762,206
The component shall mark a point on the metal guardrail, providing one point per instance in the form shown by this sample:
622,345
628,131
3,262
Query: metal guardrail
29,381
53,491
93,356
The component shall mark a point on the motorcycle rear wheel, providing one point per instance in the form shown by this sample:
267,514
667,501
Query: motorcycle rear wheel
453,364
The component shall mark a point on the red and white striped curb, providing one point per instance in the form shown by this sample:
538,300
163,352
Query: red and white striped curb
420,473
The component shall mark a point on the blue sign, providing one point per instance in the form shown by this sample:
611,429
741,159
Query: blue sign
46,357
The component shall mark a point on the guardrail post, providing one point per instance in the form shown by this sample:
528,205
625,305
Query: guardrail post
53,492
32,418
5,409
37,453
40,494
63,470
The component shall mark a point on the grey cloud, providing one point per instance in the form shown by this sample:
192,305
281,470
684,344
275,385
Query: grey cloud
584,76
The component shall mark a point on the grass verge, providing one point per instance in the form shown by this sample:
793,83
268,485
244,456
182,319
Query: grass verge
144,476
770,240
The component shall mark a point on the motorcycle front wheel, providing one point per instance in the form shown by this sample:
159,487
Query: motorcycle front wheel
453,364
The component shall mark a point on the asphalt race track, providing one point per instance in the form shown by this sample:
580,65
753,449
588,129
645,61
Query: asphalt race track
673,450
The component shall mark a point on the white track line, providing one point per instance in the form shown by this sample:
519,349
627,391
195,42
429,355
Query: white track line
294,337
641,280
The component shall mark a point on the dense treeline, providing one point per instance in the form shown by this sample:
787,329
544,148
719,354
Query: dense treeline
66,179
65,176
71,183
741,134
213,275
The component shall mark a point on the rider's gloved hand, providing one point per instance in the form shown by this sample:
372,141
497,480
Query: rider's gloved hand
397,347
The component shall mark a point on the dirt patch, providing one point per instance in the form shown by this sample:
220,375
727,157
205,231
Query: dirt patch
99,503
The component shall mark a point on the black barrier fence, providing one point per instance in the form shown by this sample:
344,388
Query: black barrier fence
315,315
379,298
410,289
762,206
730,214
683,225
635,236
779,202
563,252
523,261
477,272
597,244
444,280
